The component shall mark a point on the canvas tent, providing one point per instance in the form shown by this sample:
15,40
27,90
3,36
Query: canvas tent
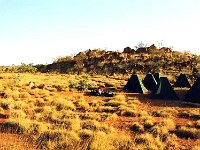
149,82
157,76
193,95
135,85
182,81
164,90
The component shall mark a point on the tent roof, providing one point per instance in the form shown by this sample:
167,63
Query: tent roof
157,76
164,90
182,81
193,95
135,85
149,82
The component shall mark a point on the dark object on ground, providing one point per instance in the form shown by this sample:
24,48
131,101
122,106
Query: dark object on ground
134,85
104,94
193,95
164,90
150,82
108,94
182,81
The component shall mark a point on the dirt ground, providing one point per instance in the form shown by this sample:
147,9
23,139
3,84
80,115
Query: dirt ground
14,142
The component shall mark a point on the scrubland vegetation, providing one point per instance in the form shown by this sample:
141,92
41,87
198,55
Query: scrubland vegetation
43,109
56,113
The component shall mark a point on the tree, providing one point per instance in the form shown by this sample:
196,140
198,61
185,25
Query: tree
26,68
140,45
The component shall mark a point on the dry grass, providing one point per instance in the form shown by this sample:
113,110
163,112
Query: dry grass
165,112
56,118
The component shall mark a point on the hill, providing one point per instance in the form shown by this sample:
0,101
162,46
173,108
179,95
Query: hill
141,60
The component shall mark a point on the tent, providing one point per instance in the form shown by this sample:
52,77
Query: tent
193,95
149,82
182,81
135,85
157,76
164,90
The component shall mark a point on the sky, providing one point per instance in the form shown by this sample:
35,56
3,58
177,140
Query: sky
39,31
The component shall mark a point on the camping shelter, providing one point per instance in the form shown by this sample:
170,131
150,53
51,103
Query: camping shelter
193,95
164,90
149,82
157,76
182,81
135,85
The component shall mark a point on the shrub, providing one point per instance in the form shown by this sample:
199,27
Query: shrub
106,128
112,117
147,140
15,94
90,116
20,105
168,123
81,85
83,105
96,103
158,130
120,98
35,92
6,103
103,116
24,95
75,124
49,136
40,102
96,126
108,84
90,125
63,104
185,132
58,87
73,84
193,114
165,112
114,103
144,139
43,93
129,113
102,141
107,109
57,139
3,114
148,122
8,93
197,124
39,127
123,142
20,126
77,97
162,129
137,127
136,101
18,114
85,134
47,109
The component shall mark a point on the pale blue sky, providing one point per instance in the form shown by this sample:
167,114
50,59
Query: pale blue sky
37,31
